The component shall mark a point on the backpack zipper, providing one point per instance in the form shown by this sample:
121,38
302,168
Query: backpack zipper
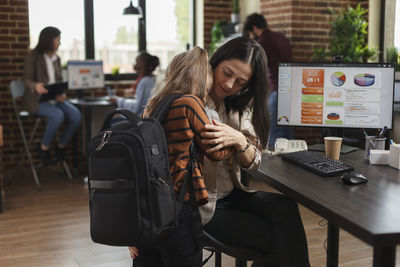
162,181
104,140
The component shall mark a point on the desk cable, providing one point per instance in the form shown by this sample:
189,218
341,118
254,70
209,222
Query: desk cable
323,223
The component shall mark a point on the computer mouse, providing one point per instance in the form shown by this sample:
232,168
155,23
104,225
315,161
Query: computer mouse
353,178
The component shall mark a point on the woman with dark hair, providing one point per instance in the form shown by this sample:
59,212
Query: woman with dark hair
43,67
235,214
145,65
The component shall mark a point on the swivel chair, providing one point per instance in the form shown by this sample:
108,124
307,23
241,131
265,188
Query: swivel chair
17,91
241,255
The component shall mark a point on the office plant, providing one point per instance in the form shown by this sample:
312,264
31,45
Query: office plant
217,35
349,33
392,55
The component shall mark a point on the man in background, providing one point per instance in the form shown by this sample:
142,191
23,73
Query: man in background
277,48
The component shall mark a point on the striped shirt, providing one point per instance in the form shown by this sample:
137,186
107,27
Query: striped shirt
183,124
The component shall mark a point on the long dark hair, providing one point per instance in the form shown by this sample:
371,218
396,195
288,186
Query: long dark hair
150,63
46,38
256,92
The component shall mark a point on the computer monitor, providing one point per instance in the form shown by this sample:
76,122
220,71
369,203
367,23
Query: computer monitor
85,74
337,95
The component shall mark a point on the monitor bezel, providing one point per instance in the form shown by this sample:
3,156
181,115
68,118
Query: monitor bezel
342,64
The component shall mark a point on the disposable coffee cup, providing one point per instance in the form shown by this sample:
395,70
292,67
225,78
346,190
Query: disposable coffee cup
373,142
332,147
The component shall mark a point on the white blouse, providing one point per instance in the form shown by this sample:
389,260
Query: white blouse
51,73
222,176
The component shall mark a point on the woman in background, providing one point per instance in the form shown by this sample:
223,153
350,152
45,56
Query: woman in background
43,67
145,65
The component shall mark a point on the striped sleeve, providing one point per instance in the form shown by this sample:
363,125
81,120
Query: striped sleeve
197,117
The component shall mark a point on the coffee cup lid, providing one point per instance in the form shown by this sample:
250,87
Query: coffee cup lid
333,138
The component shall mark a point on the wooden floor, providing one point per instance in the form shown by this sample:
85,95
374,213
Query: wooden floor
51,228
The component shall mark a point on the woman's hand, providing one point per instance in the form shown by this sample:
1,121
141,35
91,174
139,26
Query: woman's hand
134,252
40,89
113,100
222,135
61,98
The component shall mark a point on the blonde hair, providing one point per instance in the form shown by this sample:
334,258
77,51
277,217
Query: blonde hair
186,74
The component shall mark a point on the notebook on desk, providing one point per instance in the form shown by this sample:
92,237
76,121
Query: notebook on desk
54,90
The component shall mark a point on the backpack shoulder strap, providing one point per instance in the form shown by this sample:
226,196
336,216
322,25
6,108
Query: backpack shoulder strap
163,106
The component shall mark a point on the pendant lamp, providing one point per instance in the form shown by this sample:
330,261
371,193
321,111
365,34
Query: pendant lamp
131,10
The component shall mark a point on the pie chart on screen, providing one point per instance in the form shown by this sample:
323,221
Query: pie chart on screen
364,79
338,78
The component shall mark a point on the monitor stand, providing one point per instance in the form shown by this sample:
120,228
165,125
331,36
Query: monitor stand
333,132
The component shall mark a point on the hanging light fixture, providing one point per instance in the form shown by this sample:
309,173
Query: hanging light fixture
131,10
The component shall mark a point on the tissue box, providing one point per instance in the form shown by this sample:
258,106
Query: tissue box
395,156
379,157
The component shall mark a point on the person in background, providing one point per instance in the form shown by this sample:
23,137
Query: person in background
187,74
277,47
144,66
43,67
235,214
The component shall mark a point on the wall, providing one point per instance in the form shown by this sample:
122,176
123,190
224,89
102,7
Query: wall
215,10
374,20
306,24
248,7
14,43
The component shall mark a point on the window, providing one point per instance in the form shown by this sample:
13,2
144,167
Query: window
72,30
116,36
169,28
397,27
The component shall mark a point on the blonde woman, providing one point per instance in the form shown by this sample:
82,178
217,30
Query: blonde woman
187,74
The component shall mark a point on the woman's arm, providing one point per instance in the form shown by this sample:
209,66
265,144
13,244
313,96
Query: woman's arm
29,75
198,119
143,93
221,135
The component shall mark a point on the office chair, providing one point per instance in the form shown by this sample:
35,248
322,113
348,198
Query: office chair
17,91
241,255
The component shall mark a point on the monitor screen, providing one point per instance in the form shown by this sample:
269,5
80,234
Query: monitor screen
85,74
349,95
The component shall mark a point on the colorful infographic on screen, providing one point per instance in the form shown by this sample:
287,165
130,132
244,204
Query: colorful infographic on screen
335,95
83,74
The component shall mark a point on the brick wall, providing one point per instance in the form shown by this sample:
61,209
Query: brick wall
306,24
215,10
14,44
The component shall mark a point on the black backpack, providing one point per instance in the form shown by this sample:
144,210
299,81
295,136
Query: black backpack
132,200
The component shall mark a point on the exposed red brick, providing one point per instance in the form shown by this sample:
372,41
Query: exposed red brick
6,9
17,3
7,23
23,17
19,31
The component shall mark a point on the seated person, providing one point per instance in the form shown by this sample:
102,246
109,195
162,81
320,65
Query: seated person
145,65
43,67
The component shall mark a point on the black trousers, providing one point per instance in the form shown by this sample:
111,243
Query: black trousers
180,248
264,221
